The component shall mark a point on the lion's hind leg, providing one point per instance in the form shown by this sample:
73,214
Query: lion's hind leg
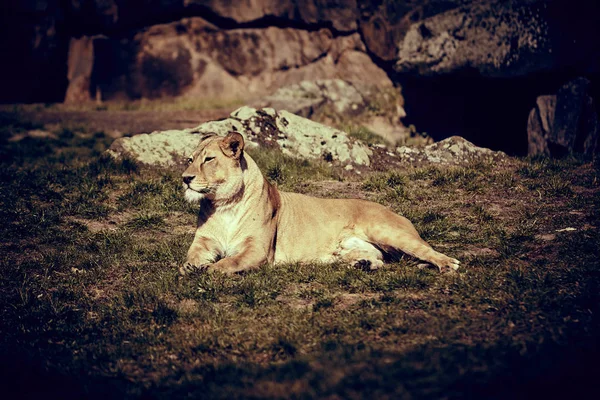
399,233
360,254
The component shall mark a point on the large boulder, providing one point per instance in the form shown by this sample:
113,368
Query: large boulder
496,38
564,123
294,135
193,57
503,38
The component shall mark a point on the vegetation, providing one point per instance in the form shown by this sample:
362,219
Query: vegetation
363,134
92,305
289,173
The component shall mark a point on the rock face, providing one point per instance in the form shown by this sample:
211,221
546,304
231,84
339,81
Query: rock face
564,123
156,48
451,151
296,136
193,57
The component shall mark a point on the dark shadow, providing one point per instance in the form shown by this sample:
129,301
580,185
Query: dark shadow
490,112
25,377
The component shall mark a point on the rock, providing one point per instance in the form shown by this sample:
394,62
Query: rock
306,97
192,57
495,38
250,49
296,136
356,66
33,134
564,123
382,26
339,102
308,139
547,237
79,74
451,151
158,148
40,32
391,130
465,58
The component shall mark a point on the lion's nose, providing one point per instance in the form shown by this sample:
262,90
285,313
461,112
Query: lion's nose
188,179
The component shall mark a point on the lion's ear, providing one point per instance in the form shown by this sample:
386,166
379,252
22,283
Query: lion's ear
232,145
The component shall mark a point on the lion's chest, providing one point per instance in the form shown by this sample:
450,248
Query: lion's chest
225,228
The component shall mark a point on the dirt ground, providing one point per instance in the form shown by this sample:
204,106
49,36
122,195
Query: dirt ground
120,123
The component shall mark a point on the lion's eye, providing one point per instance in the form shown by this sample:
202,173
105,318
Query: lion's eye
190,160
207,159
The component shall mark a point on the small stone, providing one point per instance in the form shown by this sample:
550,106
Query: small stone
244,113
569,229
546,237
454,148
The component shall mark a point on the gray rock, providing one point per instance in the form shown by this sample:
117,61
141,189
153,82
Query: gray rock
157,148
296,136
497,38
451,151
306,97
564,123
33,134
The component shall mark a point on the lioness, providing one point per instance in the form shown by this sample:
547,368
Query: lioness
244,221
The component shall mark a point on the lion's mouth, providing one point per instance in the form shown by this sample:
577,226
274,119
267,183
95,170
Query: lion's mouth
201,191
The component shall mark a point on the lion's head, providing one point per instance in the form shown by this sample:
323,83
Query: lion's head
215,171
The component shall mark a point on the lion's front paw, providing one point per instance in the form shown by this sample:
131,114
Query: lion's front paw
454,264
368,265
220,268
448,264
189,267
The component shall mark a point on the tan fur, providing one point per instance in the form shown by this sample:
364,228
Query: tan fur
244,221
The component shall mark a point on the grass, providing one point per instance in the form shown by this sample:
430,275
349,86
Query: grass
289,173
363,134
92,305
